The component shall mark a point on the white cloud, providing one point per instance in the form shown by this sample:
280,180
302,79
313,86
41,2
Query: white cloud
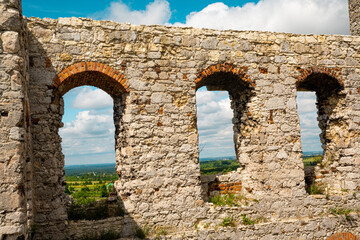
89,124
214,113
306,102
295,16
157,12
88,133
214,122
89,98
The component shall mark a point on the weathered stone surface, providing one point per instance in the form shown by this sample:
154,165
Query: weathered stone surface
153,73
14,138
10,42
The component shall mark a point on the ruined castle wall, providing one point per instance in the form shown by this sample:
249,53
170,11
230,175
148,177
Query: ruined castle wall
157,138
354,14
15,187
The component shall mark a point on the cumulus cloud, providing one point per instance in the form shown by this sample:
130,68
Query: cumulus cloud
88,124
295,16
157,12
213,108
214,122
310,131
306,102
92,98
89,133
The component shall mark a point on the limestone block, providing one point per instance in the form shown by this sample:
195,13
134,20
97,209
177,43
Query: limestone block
209,43
350,185
279,89
186,148
10,201
10,20
64,21
16,217
285,46
17,133
154,55
10,42
158,87
193,138
280,59
274,103
11,62
246,46
251,57
159,97
291,104
282,155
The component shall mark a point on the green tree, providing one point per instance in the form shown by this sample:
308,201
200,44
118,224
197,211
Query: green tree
104,192
67,191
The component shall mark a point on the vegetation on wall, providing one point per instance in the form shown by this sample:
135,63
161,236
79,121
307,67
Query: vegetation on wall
218,166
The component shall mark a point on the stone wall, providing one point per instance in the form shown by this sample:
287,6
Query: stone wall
354,14
152,73
15,147
156,71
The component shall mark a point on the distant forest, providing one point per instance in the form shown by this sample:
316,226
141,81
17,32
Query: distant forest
106,171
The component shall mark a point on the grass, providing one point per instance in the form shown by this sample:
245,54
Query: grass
231,200
312,161
228,222
162,232
247,221
224,166
314,189
218,166
341,211
143,232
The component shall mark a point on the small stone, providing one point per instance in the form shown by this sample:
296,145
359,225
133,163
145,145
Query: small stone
11,42
209,43
274,103
160,97
282,155
154,55
17,133
284,46
65,57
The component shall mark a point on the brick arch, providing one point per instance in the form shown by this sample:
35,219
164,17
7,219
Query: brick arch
94,74
343,236
331,72
225,68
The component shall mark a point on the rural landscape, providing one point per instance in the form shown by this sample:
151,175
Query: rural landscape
174,90
90,183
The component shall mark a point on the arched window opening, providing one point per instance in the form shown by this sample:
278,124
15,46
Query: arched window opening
317,98
222,120
95,96
215,127
88,131
88,147
214,119
310,135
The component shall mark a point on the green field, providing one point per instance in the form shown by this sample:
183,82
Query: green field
88,183
312,160
218,166
224,166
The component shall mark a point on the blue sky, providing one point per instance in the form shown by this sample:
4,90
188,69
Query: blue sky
88,122
89,8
